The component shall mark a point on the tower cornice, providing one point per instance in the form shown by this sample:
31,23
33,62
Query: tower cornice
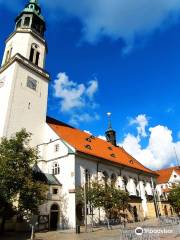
22,60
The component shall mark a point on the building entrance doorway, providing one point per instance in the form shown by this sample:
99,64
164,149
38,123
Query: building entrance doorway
54,217
135,214
79,213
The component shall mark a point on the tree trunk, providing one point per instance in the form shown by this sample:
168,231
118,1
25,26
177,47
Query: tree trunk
2,224
32,232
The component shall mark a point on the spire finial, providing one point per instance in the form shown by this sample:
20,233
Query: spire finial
109,120
34,1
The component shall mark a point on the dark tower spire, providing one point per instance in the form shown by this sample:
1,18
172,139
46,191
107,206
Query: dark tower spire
110,133
31,18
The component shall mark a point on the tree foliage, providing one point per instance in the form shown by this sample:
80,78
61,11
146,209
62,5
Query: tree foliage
174,198
18,187
104,196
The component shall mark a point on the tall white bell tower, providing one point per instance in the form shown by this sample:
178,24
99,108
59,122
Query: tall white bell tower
23,79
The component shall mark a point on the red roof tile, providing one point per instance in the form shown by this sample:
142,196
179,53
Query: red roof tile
87,144
165,174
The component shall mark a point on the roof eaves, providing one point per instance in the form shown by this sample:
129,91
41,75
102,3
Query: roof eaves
79,153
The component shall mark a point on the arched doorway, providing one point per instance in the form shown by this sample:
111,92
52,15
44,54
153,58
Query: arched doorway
54,217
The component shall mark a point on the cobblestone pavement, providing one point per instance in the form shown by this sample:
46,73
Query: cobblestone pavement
97,235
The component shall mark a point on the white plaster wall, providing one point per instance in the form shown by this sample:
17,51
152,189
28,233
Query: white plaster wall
82,164
67,179
174,179
148,188
21,43
19,114
131,187
6,95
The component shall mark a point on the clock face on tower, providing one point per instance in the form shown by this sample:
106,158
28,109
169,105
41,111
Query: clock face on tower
32,83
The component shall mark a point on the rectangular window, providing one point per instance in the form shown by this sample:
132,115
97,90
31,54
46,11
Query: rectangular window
32,83
55,191
27,21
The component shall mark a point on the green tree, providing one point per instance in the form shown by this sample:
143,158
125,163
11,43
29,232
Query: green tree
104,196
174,198
20,190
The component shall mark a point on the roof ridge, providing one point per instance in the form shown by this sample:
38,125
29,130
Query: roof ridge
169,168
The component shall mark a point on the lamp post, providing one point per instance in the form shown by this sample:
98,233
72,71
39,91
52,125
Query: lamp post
155,199
85,202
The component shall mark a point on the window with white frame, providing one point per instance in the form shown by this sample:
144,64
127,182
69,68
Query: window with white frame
55,168
34,54
55,191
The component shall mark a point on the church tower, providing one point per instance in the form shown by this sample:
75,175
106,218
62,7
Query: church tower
110,133
23,79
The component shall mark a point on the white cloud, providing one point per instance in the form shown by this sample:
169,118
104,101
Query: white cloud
126,19
178,135
159,151
76,99
72,94
83,117
142,122
102,137
87,131
92,88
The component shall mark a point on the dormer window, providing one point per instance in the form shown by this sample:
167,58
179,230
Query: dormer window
88,139
88,147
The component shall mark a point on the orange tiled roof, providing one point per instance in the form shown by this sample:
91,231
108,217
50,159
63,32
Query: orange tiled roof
165,174
87,144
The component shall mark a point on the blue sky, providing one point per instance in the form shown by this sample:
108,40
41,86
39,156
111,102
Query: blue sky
114,56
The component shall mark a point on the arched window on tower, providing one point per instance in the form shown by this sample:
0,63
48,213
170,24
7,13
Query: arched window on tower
55,168
26,21
34,54
8,55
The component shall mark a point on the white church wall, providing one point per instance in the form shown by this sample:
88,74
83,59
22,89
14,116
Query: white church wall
21,43
33,105
67,179
6,84
174,178
143,182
